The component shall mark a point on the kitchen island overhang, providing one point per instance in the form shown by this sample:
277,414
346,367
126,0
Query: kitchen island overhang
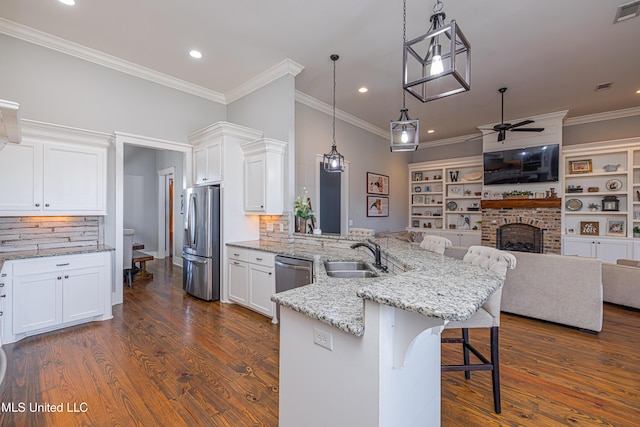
383,368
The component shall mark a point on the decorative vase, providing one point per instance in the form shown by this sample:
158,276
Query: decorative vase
301,225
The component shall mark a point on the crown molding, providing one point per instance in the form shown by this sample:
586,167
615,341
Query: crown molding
49,41
607,115
224,129
281,69
345,117
33,130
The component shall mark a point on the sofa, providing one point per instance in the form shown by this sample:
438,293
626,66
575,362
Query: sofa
556,288
621,282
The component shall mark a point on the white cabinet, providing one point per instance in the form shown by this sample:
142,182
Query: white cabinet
465,239
21,165
636,250
252,279
53,179
53,292
606,250
208,163
264,176
238,269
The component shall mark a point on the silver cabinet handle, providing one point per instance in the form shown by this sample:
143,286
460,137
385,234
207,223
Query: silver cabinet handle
62,265
258,259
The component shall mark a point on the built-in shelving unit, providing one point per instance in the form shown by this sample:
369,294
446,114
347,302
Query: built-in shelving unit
601,200
445,198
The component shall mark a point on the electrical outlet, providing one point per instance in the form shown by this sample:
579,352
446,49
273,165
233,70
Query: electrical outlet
269,226
350,222
281,227
323,338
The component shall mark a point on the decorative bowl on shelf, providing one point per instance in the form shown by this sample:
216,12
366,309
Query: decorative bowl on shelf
611,168
472,176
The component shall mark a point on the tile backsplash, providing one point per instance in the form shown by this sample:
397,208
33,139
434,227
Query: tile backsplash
40,232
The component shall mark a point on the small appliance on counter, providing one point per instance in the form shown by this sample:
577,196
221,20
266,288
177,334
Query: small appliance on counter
201,249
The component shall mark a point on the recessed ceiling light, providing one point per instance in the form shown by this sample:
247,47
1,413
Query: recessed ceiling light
363,90
68,2
431,131
195,54
638,91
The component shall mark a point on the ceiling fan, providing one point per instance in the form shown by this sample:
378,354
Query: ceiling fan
503,127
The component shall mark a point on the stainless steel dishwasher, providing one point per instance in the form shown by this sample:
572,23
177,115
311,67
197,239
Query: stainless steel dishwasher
292,272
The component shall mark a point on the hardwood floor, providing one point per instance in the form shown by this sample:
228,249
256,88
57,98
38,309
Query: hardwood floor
167,359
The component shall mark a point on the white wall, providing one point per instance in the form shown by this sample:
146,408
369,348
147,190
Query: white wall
366,152
57,88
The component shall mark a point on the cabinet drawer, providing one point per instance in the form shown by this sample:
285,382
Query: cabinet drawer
236,253
262,258
47,264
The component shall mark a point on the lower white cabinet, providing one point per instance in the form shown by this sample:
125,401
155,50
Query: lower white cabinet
252,281
606,250
458,238
636,250
53,292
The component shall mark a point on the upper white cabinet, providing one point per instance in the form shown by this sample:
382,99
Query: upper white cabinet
54,172
264,176
207,160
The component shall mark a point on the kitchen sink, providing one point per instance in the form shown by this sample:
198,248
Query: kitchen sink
349,269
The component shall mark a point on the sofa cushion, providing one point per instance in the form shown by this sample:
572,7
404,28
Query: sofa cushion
621,283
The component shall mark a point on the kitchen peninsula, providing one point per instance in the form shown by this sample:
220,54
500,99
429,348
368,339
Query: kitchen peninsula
380,364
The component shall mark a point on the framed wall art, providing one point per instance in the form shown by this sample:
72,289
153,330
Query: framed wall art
377,206
377,184
589,228
616,227
580,166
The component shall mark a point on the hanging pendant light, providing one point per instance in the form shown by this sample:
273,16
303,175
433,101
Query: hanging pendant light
404,131
334,161
437,64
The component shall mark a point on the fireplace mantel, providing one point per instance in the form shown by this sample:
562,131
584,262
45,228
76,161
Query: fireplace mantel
522,203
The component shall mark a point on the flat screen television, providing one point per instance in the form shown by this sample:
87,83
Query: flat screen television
522,165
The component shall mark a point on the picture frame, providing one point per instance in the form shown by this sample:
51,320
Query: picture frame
377,206
417,176
377,184
589,228
616,227
415,223
419,200
580,166
417,189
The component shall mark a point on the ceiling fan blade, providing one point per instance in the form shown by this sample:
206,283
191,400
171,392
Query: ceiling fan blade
528,130
522,123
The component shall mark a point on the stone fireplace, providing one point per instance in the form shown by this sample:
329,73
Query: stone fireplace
519,237
530,225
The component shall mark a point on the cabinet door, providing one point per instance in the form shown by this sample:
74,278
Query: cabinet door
82,294
207,162
37,302
470,239
74,178
21,177
610,250
238,282
255,184
584,247
636,250
262,286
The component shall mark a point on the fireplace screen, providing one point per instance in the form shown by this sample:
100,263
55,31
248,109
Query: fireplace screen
519,237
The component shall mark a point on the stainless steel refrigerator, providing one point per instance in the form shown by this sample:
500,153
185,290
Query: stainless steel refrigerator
201,249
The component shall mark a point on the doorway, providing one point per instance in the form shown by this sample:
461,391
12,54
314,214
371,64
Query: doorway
334,216
166,207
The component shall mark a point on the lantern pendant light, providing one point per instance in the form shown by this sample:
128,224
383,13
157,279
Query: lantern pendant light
404,131
334,161
437,64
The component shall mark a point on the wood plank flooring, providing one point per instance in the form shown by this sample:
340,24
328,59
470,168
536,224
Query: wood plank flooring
167,359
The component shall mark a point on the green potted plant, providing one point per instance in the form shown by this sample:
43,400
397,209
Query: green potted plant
636,231
302,211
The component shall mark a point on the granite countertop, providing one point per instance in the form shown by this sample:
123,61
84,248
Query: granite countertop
39,253
432,285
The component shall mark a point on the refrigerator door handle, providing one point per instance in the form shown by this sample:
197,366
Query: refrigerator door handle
192,221
197,260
